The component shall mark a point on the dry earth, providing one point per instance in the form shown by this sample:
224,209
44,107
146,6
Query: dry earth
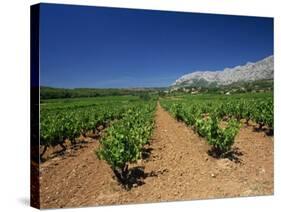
178,168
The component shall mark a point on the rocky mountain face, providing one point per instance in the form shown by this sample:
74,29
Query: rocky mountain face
260,70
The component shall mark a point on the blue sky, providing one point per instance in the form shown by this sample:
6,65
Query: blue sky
108,47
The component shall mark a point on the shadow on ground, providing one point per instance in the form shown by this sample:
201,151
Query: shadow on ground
267,131
232,155
137,175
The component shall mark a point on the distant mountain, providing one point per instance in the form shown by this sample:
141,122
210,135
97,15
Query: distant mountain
260,70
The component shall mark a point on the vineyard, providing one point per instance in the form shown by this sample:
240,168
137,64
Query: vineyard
165,143
206,116
61,121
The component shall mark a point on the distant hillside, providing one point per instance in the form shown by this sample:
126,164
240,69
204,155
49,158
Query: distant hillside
250,72
54,93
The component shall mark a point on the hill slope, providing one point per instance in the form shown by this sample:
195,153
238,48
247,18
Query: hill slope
260,70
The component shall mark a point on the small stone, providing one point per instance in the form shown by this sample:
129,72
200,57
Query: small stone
139,162
213,175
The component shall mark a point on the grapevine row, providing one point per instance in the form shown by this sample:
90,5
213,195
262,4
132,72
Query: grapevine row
69,123
124,140
205,118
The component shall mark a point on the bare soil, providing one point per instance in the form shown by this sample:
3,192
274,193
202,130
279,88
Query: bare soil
177,168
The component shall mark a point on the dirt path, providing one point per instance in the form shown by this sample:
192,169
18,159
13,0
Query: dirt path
183,169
